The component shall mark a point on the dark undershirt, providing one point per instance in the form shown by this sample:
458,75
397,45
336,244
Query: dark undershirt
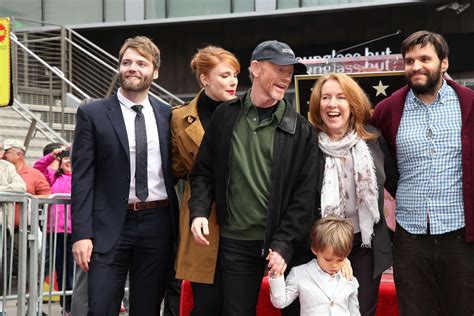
264,113
206,107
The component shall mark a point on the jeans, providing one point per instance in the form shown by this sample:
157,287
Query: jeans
434,274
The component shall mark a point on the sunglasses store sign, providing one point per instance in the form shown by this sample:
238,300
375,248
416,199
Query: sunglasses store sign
366,61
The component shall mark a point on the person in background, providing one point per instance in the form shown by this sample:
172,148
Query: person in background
353,169
59,219
10,181
319,284
216,71
429,126
36,183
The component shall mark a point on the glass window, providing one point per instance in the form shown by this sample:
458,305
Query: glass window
155,9
265,5
288,4
77,12
243,5
134,10
22,9
178,8
114,10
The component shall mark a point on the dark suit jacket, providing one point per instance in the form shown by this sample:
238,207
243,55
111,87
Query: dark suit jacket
387,176
101,171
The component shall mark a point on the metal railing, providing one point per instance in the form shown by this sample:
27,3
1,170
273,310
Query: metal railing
93,70
57,67
37,237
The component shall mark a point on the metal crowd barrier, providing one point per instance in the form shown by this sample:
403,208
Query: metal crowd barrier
37,250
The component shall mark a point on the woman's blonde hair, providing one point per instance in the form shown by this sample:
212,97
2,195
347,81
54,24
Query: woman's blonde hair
333,232
209,57
359,104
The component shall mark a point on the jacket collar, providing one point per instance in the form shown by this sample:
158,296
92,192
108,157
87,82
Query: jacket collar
289,119
190,111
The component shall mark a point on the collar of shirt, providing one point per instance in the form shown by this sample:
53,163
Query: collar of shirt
415,102
128,104
325,275
249,106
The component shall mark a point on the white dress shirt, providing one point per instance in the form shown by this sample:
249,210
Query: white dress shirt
156,182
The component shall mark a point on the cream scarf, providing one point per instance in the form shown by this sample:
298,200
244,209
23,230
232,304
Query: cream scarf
333,199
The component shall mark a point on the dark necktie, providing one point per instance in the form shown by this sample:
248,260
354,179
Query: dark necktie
141,157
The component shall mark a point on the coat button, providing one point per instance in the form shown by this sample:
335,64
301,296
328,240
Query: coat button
128,178
331,304
190,119
125,200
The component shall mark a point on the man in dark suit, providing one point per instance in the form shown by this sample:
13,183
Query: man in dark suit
124,209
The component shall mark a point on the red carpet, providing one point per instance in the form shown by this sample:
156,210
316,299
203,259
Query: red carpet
387,305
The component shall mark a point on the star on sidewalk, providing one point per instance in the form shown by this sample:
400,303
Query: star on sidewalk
380,88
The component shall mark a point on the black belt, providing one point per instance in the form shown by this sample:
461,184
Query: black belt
140,206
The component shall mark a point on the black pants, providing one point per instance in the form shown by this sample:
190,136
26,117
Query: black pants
434,274
63,255
239,274
207,298
362,261
143,248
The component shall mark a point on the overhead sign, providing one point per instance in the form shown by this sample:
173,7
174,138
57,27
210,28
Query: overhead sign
5,63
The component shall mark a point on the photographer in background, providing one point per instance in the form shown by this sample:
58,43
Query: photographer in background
60,182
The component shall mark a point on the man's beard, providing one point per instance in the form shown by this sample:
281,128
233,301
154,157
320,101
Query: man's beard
432,80
142,85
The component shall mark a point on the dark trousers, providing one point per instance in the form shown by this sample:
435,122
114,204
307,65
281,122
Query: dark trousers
207,298
241,266
63,256
142,249
434,274
239,274
362,261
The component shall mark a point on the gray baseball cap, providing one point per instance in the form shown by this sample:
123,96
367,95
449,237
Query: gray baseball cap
277,53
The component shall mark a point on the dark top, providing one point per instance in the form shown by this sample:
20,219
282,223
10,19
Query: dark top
264,113
206,107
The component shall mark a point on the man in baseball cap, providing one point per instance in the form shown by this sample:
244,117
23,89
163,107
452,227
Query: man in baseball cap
264,200
278,53
14,143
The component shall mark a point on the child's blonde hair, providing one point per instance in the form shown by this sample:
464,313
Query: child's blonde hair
333,232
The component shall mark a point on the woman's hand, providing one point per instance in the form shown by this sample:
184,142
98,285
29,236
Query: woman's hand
199,228
57,152
347,270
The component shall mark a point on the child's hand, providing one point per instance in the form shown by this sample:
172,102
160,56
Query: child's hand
276,264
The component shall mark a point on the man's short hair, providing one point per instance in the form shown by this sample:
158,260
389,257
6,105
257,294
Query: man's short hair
333,232
145,47
423,38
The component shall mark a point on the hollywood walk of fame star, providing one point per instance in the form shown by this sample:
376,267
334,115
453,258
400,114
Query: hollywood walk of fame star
381,89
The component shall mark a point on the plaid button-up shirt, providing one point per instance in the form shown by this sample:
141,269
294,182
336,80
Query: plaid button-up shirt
428,146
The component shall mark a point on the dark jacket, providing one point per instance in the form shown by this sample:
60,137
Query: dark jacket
101,177
388,114
387,177
292,191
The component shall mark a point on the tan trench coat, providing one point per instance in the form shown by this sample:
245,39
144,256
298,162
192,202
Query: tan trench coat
194,263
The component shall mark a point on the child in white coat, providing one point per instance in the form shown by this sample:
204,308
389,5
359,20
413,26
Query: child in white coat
319,284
